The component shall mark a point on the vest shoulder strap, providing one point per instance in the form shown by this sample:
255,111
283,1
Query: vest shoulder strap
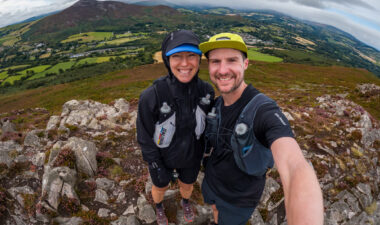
163,91
248,114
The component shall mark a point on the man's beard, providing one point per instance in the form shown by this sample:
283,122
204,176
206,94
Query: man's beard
234,86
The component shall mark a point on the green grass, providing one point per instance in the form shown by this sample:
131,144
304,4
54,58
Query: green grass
93,60
126,34
89,60
37,70
23,73
89,37
54,69
303,83
14,67
120,41
3,75
12,79
257,56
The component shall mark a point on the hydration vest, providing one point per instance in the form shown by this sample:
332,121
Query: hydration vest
250,155
168,117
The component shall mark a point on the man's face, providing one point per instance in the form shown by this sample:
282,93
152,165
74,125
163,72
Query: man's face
226,67
184,65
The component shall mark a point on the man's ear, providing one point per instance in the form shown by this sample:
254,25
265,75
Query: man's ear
246,62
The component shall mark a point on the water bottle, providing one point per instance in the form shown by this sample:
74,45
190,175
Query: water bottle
165,108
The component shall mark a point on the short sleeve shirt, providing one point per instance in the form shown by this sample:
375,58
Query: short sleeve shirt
222,174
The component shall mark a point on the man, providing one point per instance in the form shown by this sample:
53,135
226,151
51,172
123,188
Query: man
232,192
171,119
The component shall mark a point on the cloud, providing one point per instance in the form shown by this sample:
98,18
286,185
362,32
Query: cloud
13,11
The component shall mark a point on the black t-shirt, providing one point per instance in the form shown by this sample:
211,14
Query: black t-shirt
222,174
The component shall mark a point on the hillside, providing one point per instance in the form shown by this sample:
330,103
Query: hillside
333,111
105,36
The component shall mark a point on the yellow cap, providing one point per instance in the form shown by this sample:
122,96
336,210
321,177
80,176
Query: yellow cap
224,40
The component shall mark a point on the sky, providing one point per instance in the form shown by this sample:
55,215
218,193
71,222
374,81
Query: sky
360,18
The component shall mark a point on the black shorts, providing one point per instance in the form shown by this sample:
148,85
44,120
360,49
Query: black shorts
185,175
228,213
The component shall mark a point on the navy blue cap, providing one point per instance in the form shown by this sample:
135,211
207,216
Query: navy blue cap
185,48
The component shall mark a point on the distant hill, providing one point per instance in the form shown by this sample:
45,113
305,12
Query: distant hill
89,15
51,40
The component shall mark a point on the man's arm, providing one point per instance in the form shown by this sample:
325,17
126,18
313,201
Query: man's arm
303,196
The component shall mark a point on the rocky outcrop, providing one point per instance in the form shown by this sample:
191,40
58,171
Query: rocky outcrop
85,167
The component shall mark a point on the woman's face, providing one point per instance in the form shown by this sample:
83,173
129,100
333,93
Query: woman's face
184,65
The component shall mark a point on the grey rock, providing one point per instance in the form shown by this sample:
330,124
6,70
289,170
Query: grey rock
32,138
59,181
370,136
148,185
273,220
53,123
129,210
17,193
363,193
105,183
170,194
132,220
121,198
361,219
85,155
5,158
68,221
121,105
39,159
271,186
8,126
147,214
351,200
7,146
123,220
103,212
18,221
338,212
101,196
256,218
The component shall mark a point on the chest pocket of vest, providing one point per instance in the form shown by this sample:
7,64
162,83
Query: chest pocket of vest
200,117
164,132
250,155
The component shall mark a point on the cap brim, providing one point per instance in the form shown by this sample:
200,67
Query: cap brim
208,46
184,49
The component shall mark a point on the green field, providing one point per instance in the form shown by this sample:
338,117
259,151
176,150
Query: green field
93,60
3,75
120,41
54,69
14,67
12,79
89,60
89,37
36,69
258,56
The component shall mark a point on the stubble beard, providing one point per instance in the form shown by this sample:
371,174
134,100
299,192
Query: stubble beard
234,87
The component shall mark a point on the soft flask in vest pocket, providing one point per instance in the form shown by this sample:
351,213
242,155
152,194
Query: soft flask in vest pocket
211,130
164,131
250,155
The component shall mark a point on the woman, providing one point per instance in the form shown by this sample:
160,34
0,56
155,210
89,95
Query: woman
171,120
